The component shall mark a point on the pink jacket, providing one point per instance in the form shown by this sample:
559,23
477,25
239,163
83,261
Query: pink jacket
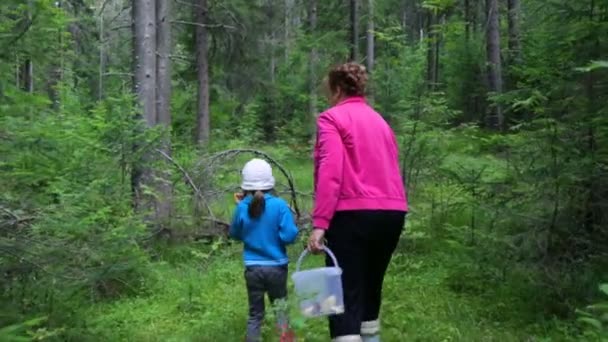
356,163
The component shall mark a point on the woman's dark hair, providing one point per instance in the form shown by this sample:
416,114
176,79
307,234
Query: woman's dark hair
257,205
350,78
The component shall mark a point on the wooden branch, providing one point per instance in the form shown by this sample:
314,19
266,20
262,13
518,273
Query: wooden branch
103,7
20,35
197,191
187,4
235,152
181,58
216,221
128,74
203,25
120,27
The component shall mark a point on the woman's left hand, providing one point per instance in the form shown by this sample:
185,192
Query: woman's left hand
315,241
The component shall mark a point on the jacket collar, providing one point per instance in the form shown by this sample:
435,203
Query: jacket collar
352,99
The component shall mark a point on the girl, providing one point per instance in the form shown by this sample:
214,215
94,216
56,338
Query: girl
265,225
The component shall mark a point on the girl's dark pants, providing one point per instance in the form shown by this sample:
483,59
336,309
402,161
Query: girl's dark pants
262,280
363,242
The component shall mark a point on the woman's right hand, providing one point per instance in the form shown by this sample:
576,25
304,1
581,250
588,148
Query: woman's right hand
315,241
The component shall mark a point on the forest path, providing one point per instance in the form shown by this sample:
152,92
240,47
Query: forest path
193,303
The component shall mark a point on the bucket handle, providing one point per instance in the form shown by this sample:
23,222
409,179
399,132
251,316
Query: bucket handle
306,251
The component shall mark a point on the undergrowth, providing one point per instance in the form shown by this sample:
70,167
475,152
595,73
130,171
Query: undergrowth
205,300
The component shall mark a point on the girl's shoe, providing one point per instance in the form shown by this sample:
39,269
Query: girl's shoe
288,336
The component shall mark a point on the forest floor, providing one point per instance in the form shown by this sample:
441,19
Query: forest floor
201,300
197,293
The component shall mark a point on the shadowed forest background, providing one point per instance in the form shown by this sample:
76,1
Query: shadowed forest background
124,125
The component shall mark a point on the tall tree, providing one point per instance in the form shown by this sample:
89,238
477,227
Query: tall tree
467,20
26,72
495,82
513,18
26,75
432,53
202,72
370,36
312,60
289,5
163,64
354,30
144,40
163,95
412,20
145,84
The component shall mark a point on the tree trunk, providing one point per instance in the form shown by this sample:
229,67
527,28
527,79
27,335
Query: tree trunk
514,46
102,43
431,53
354,30
26,76
437,55
27,68
289,5
467,20
202,72
55,71
493,61
54,77
312,62
144,17
144,87
163,98
273,60
370,35
411,21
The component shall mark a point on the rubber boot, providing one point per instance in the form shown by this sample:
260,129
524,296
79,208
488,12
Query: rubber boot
348,338
370,331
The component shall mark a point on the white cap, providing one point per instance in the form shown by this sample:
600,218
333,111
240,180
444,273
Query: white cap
257,175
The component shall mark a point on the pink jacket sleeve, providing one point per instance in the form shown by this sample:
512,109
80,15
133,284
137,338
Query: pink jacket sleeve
329,156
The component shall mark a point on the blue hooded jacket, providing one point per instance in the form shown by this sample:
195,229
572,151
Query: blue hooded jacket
265,237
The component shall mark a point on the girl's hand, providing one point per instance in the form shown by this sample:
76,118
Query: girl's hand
315,241
238,197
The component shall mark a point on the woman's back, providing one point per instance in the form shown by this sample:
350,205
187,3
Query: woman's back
361,161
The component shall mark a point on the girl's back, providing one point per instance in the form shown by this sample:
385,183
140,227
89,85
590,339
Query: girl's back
266,236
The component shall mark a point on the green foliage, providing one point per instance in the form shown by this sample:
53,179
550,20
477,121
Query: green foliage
69,233
507,231
595,317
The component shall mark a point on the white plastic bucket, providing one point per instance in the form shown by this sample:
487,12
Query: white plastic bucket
319,289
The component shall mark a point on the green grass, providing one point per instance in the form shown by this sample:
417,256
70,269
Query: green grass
205,300
197,293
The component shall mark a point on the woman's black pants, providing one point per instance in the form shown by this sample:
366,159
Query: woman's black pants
363,242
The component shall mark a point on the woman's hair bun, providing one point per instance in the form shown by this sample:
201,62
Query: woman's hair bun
350,78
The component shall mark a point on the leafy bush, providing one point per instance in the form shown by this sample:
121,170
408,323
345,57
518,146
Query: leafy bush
595,317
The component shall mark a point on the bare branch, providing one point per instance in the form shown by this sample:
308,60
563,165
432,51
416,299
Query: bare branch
191,4
197,191
121,27
203,25
127,74
236,152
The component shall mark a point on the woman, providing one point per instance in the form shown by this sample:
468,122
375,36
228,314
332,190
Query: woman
360,202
